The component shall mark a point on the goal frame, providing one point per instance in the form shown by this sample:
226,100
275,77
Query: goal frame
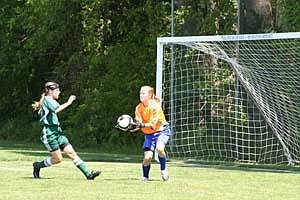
161,41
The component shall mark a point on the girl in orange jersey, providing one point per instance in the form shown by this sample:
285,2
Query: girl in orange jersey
150,119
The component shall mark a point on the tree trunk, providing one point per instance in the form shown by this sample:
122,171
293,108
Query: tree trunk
256,16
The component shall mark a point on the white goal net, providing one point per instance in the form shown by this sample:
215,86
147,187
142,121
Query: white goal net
232,97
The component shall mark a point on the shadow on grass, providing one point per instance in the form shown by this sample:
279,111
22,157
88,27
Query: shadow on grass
88,155
91,155
37,179
243,166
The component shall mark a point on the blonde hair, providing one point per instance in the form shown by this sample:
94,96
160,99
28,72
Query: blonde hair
151,92
50,85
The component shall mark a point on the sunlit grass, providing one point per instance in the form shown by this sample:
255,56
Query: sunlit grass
120,179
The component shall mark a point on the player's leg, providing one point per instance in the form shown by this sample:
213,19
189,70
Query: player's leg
160,147
79,163
55,158
148,147
51,143
67,148
146,165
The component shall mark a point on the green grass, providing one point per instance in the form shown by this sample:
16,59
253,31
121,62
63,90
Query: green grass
121,174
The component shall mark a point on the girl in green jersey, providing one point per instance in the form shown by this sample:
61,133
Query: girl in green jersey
53,136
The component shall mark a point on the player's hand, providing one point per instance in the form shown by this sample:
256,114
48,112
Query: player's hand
138,124
134,130
71,98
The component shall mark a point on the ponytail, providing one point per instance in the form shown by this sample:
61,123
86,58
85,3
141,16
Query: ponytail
38,104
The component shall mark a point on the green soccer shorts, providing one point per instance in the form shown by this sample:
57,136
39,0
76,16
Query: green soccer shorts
53,138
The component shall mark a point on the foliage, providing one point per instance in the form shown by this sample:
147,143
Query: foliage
290,20
13,129
205,17
100,50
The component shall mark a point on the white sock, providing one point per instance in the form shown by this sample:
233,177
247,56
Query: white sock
47,162
77,161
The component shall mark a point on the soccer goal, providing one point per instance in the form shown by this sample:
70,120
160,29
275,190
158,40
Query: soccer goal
232,97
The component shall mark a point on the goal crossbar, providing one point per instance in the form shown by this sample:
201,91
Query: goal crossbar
240,37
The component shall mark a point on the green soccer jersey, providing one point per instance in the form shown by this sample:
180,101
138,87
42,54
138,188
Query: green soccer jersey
47,112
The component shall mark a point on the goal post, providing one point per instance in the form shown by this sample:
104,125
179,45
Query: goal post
232,97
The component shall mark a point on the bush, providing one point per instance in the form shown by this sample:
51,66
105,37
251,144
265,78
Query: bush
19,129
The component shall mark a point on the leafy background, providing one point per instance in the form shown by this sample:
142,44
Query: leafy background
103,51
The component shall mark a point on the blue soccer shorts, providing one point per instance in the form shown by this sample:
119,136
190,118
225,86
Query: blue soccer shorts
151,139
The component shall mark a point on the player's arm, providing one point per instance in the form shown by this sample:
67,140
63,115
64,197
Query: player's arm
65,105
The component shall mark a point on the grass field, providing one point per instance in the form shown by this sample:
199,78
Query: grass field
120,179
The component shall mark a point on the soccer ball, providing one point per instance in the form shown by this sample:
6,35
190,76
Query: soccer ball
124,122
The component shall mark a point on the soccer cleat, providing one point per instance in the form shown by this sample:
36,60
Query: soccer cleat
164,175
36,170
93,175
144,179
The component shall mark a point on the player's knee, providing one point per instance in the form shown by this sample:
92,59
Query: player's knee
148,157
70,152
73,155
56,160
161,152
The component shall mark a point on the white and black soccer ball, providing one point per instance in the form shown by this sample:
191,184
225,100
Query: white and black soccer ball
124,122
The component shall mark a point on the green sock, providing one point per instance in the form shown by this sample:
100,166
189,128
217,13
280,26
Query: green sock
45,163
82,166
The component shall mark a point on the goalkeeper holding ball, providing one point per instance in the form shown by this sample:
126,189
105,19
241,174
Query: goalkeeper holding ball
150,119
53,136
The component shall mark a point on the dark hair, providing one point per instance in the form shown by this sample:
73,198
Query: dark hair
50,85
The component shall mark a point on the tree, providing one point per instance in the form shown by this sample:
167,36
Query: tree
256,16
289,15
206,17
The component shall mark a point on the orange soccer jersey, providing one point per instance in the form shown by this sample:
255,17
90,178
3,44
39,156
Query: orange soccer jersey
151,113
